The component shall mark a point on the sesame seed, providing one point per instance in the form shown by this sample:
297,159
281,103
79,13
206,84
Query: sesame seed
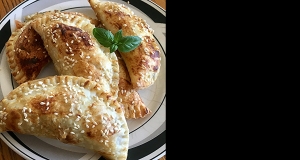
24,109
25,115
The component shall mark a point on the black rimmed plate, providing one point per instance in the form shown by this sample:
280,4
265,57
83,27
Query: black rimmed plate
147,135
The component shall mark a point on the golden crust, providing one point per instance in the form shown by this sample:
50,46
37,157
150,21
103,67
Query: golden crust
74,50
25,53
40,14
143,63
71,109
132,104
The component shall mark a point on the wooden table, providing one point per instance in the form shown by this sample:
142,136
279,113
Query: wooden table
5,6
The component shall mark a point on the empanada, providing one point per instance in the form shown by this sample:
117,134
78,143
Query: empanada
129,98
74,50
71,109
143,63
25,53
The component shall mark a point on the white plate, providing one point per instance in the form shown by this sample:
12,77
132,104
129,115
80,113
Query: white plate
147,135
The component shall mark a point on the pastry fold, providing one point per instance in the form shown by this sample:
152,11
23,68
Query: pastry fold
73,110
74,50
143,63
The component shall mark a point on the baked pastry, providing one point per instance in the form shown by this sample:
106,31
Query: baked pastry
25,53
74,50
132,104
71,109
143,63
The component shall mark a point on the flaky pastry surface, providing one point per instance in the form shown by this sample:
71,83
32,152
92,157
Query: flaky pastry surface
74,110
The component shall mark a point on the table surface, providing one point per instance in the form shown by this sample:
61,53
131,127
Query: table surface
5,6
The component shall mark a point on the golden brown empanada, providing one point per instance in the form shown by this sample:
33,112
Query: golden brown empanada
71,109
25,53
74,50
143,63
129,98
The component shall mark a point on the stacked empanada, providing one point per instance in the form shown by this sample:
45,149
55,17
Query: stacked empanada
74,50
143,63
71,109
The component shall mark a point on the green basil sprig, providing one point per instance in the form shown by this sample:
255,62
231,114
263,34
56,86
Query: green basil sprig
117,41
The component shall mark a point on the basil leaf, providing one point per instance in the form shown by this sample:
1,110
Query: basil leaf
117,41
104,37
118,36
129,43
113,48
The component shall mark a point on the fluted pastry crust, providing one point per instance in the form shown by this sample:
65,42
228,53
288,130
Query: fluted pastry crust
74,110
131,101
25,53
40,14
69,40
143,63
